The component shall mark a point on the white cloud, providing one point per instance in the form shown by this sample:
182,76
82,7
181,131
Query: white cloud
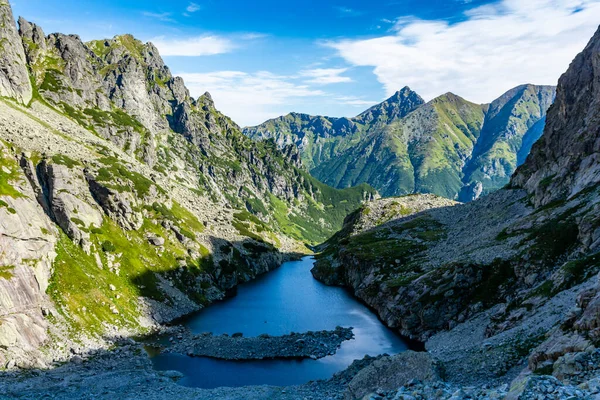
253,36
355,101
347,12
165,16
249,98
193,7
496,48
193,47
325,76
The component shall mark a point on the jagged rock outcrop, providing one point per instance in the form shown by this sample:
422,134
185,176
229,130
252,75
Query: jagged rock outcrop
391,372
119,206
564,161
14,78
121,89
27,241
71,204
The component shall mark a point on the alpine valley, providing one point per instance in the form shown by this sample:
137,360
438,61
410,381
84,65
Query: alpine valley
127,206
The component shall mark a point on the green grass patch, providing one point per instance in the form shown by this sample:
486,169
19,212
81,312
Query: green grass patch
554,238
108,247
64,160
544,183
131,180
573,273
6,271
9,173
116,117
52,81
188,223
81,288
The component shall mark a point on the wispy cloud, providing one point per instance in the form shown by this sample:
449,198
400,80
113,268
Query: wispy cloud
325,76
193,7
348,12
165,16
249,98
253,36
355,101
497,47
194,46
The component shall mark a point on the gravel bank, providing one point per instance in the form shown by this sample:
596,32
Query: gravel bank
309,344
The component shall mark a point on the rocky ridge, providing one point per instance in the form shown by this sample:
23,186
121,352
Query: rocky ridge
320,139
503,290
121,90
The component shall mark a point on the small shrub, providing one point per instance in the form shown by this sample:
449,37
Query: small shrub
108,246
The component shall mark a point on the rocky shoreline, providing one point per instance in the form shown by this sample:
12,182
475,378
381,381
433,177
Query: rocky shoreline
309,344
126,372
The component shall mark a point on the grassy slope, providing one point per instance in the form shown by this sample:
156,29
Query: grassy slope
422,153
506,132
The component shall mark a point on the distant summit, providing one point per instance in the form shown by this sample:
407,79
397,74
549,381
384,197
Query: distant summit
397,106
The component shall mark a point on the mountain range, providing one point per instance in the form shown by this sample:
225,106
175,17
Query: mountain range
447,146
126,204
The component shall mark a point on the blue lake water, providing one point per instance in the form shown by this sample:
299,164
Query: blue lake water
286,300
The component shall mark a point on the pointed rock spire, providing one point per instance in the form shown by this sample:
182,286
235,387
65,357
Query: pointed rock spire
398,106
14,77
206,100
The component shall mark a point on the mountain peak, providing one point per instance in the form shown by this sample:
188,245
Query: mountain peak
206,100
450,97
207,96
403,93
405,90
397,106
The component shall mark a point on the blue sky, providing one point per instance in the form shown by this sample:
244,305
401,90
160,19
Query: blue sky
263,58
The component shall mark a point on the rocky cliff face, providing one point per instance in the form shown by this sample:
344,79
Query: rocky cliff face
121,89
505,279
14,78
565,161
449,146
27,243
